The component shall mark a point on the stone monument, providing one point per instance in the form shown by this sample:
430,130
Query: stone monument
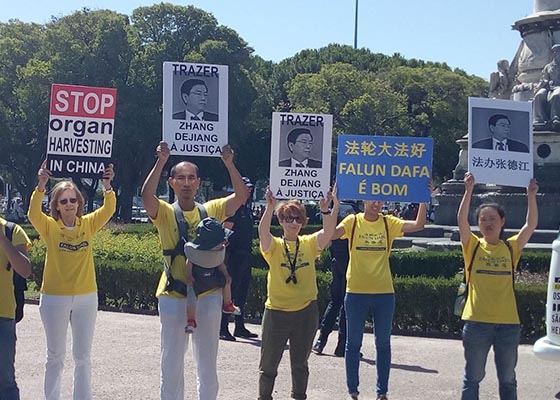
519,80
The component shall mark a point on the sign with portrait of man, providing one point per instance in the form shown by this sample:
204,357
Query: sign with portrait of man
195,108
500,147
300,159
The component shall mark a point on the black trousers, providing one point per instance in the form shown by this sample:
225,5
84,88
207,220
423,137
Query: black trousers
335,308
239,268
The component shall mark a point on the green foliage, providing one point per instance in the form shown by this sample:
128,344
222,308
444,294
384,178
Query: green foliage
425,305
128,267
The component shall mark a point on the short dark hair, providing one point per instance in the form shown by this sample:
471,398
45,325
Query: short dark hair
174,168
495,118
295,133
187,86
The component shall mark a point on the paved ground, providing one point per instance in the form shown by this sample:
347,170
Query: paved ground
126,366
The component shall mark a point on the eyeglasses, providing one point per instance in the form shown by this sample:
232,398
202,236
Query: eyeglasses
72,200
289,219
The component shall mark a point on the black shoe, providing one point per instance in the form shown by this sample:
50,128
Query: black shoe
227,336
339,351
317,349
244,333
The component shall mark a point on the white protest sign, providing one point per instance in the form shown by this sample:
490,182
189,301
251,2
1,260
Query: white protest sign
500,141
195,108
300,160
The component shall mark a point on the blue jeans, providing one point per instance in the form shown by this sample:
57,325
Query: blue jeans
478,337
8,386
382,308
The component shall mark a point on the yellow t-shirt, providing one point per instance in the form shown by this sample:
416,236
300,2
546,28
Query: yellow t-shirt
491,297
7,299
368,268
169,235
289,296
69,268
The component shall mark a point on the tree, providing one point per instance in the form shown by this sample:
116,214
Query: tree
24,83
437,107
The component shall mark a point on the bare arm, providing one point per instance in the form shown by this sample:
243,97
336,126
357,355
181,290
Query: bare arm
43,177
339,231
463,212
35,212
108,176
532,218
151,202
16,255
420,221
329,220
240,192
265,237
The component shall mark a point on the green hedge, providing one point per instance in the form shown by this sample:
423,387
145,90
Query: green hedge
128,267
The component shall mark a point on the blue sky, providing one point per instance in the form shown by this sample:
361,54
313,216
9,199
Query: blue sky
471,35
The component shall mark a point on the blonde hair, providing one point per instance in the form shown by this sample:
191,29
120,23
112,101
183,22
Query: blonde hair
293,208
57,191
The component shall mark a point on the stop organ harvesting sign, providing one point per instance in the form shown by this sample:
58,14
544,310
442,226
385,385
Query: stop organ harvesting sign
81,125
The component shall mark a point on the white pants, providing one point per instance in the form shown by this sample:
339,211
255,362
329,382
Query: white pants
56,312
172,313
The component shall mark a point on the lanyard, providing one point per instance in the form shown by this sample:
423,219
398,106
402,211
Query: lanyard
292,277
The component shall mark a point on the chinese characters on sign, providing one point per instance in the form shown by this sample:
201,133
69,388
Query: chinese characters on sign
384,168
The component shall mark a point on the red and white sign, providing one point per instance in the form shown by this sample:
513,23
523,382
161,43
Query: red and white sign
80,139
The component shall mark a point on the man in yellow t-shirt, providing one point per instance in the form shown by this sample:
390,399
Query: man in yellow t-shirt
13,257
185,181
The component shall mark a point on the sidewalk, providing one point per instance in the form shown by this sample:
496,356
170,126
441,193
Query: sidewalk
126,366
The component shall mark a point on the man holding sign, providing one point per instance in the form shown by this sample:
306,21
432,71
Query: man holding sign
184,179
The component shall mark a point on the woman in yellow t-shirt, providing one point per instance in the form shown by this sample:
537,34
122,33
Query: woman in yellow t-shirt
291,312
369,286
69,288
490,312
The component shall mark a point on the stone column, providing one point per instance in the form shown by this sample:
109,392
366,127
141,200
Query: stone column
546,5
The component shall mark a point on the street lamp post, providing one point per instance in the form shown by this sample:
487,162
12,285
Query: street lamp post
356,27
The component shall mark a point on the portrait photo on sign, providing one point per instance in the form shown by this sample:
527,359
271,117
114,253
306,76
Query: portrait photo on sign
500,130
195,98
301,146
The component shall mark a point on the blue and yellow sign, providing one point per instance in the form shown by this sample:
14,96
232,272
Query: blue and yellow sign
384,168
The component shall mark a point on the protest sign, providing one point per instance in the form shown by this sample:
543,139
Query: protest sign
384,168
500,147
300,158
81,126
195,108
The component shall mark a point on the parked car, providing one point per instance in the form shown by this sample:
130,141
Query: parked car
139,214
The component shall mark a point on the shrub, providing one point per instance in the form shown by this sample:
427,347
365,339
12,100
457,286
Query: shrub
128,267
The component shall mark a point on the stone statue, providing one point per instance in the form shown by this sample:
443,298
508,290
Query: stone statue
546,104
500,82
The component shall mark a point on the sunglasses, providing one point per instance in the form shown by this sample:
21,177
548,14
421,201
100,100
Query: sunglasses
72,200
290,219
